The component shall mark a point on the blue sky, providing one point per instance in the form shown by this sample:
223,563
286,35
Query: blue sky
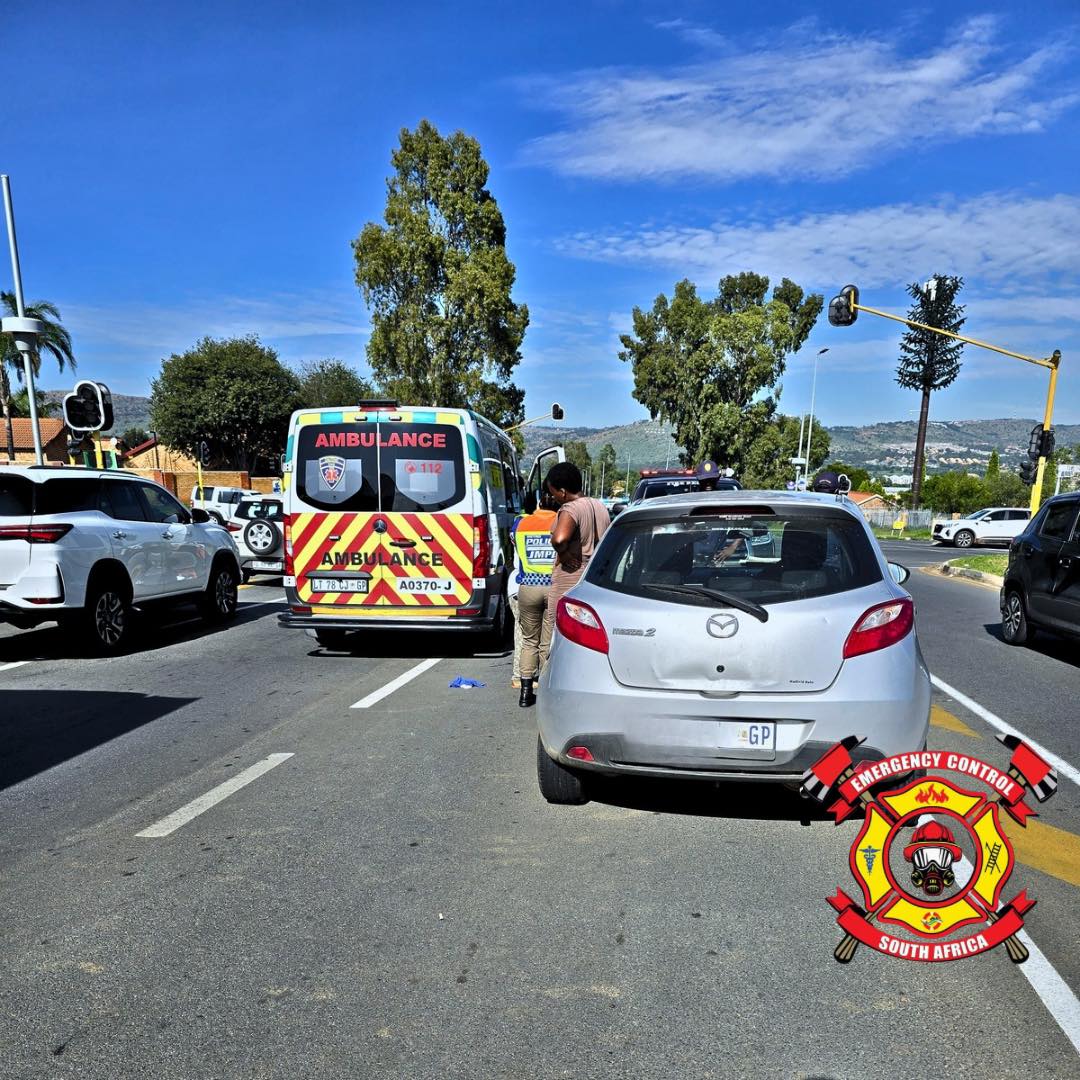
181,171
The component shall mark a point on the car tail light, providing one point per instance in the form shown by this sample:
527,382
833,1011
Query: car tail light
34,534
232,526
879,627
481,547
577,622
300,609
579,753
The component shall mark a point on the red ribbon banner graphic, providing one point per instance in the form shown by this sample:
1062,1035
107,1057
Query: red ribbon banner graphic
852,920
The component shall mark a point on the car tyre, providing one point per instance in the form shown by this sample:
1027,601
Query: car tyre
1014,624
335,640
104,625
217,604
964,538
558,784
262,537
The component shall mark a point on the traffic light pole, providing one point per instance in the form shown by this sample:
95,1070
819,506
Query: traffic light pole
24,330
1052,362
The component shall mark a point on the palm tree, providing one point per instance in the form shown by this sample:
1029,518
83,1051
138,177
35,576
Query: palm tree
54,339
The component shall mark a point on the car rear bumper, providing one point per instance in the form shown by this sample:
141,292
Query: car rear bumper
882,697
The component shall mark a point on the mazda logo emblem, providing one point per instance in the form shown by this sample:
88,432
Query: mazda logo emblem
723,626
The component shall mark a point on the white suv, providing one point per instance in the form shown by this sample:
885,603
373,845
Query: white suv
83,547
219,502
258,529
992,525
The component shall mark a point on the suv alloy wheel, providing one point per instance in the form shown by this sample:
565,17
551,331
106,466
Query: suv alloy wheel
1014,624
218,603
106,619
964,538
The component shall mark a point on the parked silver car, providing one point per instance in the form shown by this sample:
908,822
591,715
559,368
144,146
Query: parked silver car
730,635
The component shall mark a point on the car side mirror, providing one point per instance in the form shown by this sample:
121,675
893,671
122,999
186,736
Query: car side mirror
200,516
899,573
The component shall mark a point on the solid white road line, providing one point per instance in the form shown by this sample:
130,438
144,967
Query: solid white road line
1062,766
395,684
193,809
1052,989
13,664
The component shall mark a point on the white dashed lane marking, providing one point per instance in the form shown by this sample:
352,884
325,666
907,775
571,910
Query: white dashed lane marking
203,803
395,684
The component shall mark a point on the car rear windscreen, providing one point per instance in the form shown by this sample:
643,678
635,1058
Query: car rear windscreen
766,557
16,495
390,467
268,510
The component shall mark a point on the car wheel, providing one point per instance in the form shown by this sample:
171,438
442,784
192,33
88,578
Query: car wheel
105,625
332,639
1014,624
558,784
218,603
964,538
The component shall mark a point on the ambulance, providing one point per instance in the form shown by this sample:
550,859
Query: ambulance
398,518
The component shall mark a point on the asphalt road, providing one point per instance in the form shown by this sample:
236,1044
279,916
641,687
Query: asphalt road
395,899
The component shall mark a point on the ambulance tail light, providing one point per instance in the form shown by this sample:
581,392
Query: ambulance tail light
481,547
290,569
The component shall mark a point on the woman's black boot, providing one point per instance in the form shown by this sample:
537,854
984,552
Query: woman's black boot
528,698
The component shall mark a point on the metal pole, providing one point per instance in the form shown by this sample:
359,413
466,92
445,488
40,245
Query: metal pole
603,469
802,424
810,426
1048,416
20,310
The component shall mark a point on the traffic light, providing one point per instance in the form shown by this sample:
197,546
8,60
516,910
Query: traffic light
1028,469
557,411
88,407
1035,442
842,309
1046,443
204,454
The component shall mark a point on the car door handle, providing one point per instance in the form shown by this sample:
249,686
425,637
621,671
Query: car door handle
119,534
167,534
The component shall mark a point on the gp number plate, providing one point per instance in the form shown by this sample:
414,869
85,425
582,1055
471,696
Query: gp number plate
340,585
742,735
256,565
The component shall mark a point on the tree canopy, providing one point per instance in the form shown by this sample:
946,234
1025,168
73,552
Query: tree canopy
329,384
436,276
577,452
234,393
767,463
712,368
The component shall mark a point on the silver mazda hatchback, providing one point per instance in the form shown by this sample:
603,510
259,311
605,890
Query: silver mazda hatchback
730,635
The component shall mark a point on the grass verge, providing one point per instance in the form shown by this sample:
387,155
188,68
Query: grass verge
986,564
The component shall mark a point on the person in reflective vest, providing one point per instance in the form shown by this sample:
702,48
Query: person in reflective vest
533,559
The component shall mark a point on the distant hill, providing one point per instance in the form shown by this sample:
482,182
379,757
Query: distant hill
886,448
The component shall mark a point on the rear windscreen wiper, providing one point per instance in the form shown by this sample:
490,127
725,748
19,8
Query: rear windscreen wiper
724,598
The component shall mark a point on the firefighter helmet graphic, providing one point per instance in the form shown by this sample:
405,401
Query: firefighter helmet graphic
931,853
958,857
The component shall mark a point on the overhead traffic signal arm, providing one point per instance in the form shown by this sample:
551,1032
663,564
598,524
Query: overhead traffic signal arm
844,309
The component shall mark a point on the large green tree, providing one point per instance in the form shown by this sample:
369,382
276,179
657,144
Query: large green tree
55,340
20,403
767,463
577,452
235,394
929,361
445,330
604,466
712,368
330,384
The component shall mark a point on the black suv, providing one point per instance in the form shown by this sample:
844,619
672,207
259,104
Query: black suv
1042,580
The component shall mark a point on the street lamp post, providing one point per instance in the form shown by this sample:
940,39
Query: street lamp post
810,425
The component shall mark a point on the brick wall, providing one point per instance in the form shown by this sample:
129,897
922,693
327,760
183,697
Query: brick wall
186,481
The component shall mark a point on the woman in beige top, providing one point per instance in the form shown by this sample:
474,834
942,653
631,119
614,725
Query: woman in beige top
580,523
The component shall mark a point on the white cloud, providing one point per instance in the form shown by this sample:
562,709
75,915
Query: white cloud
998,239
164,328
810,104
